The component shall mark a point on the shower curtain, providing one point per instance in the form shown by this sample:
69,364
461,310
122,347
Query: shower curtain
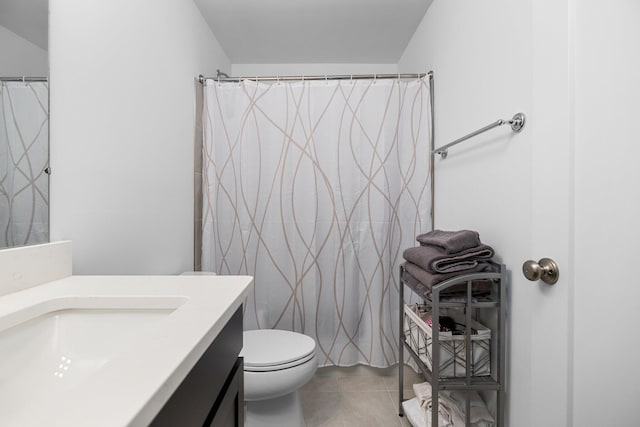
24,154
315,188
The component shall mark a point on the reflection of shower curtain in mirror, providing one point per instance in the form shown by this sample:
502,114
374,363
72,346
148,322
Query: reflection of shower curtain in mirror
24,154
315,189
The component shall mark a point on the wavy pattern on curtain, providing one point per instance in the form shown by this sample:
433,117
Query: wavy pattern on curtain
24,154
315,189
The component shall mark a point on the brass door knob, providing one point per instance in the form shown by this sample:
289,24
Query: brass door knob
545,269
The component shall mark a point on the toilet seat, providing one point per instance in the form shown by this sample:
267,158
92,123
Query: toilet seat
267,350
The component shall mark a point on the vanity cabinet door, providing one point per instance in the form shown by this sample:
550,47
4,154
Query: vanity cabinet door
196,400
230,410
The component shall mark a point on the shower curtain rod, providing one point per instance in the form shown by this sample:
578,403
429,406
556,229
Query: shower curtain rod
221,77
24,79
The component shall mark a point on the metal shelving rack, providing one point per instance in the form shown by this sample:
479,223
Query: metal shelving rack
495,305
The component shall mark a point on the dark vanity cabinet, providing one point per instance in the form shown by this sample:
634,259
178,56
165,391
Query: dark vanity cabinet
212,393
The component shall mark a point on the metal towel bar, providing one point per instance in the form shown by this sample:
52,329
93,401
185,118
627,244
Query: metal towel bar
517,123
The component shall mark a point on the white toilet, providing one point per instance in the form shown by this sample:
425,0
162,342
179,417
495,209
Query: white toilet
276,364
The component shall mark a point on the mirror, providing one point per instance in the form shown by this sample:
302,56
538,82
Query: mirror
24,123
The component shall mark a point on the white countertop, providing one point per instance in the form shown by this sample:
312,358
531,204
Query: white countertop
135,383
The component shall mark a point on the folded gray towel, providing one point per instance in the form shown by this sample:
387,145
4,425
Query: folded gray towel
451,241
415,284
434,259
422,281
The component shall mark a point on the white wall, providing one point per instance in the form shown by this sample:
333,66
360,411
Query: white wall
20,57
480,75
122,131
482,57
243,70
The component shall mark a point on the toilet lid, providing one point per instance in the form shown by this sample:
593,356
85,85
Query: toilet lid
271,349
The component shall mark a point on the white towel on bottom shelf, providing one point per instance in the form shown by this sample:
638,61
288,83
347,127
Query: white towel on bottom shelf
451,407
419,417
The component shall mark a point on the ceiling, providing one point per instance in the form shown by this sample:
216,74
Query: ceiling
28,19
313,31
278,31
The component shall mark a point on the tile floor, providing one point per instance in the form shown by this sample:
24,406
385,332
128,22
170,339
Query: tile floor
355,397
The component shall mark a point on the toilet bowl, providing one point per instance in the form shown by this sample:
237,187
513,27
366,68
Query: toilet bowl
276,364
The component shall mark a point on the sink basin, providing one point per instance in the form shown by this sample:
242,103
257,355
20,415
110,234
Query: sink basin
106,351
49,349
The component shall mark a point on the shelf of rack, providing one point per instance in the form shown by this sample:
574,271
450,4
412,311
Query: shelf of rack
493,304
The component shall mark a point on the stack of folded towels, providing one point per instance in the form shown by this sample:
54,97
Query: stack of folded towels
443,255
